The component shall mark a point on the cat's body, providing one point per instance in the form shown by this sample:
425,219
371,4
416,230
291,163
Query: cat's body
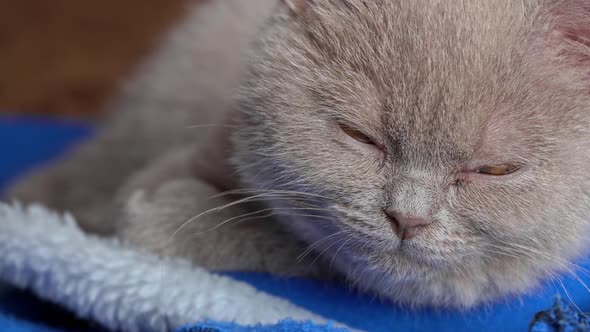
178,97
426,150
161,154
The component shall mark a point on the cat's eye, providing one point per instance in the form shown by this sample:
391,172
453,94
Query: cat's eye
356,134
498,170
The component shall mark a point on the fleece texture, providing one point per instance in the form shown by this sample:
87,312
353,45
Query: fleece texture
119,287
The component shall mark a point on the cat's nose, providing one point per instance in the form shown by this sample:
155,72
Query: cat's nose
406,226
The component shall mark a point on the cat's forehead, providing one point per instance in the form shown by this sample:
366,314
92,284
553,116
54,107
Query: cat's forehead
435,78
410,35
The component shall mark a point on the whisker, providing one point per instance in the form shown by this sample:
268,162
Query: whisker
276,191
323,252
242,168
266,210
504,253
315,244
562,263
350,238
567,294
216,209
209,125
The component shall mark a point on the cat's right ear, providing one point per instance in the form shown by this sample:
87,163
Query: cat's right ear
299,6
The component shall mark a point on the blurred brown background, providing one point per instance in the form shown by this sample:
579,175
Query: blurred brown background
66,56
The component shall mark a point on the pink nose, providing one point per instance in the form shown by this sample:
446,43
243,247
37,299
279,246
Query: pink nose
406,227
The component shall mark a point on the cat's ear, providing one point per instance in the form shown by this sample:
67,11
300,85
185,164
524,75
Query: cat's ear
299,6
568,37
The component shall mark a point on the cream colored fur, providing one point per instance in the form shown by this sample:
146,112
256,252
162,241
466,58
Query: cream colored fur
240,162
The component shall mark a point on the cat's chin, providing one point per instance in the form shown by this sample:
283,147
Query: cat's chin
419,281
439,289
414,258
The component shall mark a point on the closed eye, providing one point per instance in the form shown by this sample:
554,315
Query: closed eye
497,170
356,134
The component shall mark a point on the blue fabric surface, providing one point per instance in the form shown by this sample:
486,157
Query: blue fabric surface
562,317
364,312
25,143
284,326
28,142
11,324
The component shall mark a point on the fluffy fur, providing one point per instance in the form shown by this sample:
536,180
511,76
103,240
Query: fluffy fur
442,86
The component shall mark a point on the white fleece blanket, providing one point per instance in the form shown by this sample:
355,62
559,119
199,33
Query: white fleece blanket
120,287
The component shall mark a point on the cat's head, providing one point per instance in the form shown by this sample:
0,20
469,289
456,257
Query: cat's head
444,146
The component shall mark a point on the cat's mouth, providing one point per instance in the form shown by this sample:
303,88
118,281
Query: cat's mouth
426,251
418,253
350,234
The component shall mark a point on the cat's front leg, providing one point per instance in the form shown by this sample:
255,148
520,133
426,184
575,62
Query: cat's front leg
170,211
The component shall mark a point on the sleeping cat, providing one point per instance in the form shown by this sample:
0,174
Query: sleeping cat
431,152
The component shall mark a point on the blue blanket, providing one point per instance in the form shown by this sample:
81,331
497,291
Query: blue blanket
25,143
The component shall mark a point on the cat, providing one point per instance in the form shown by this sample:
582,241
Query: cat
430,152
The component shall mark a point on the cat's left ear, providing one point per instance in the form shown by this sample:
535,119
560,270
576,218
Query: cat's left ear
299,6
568,38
